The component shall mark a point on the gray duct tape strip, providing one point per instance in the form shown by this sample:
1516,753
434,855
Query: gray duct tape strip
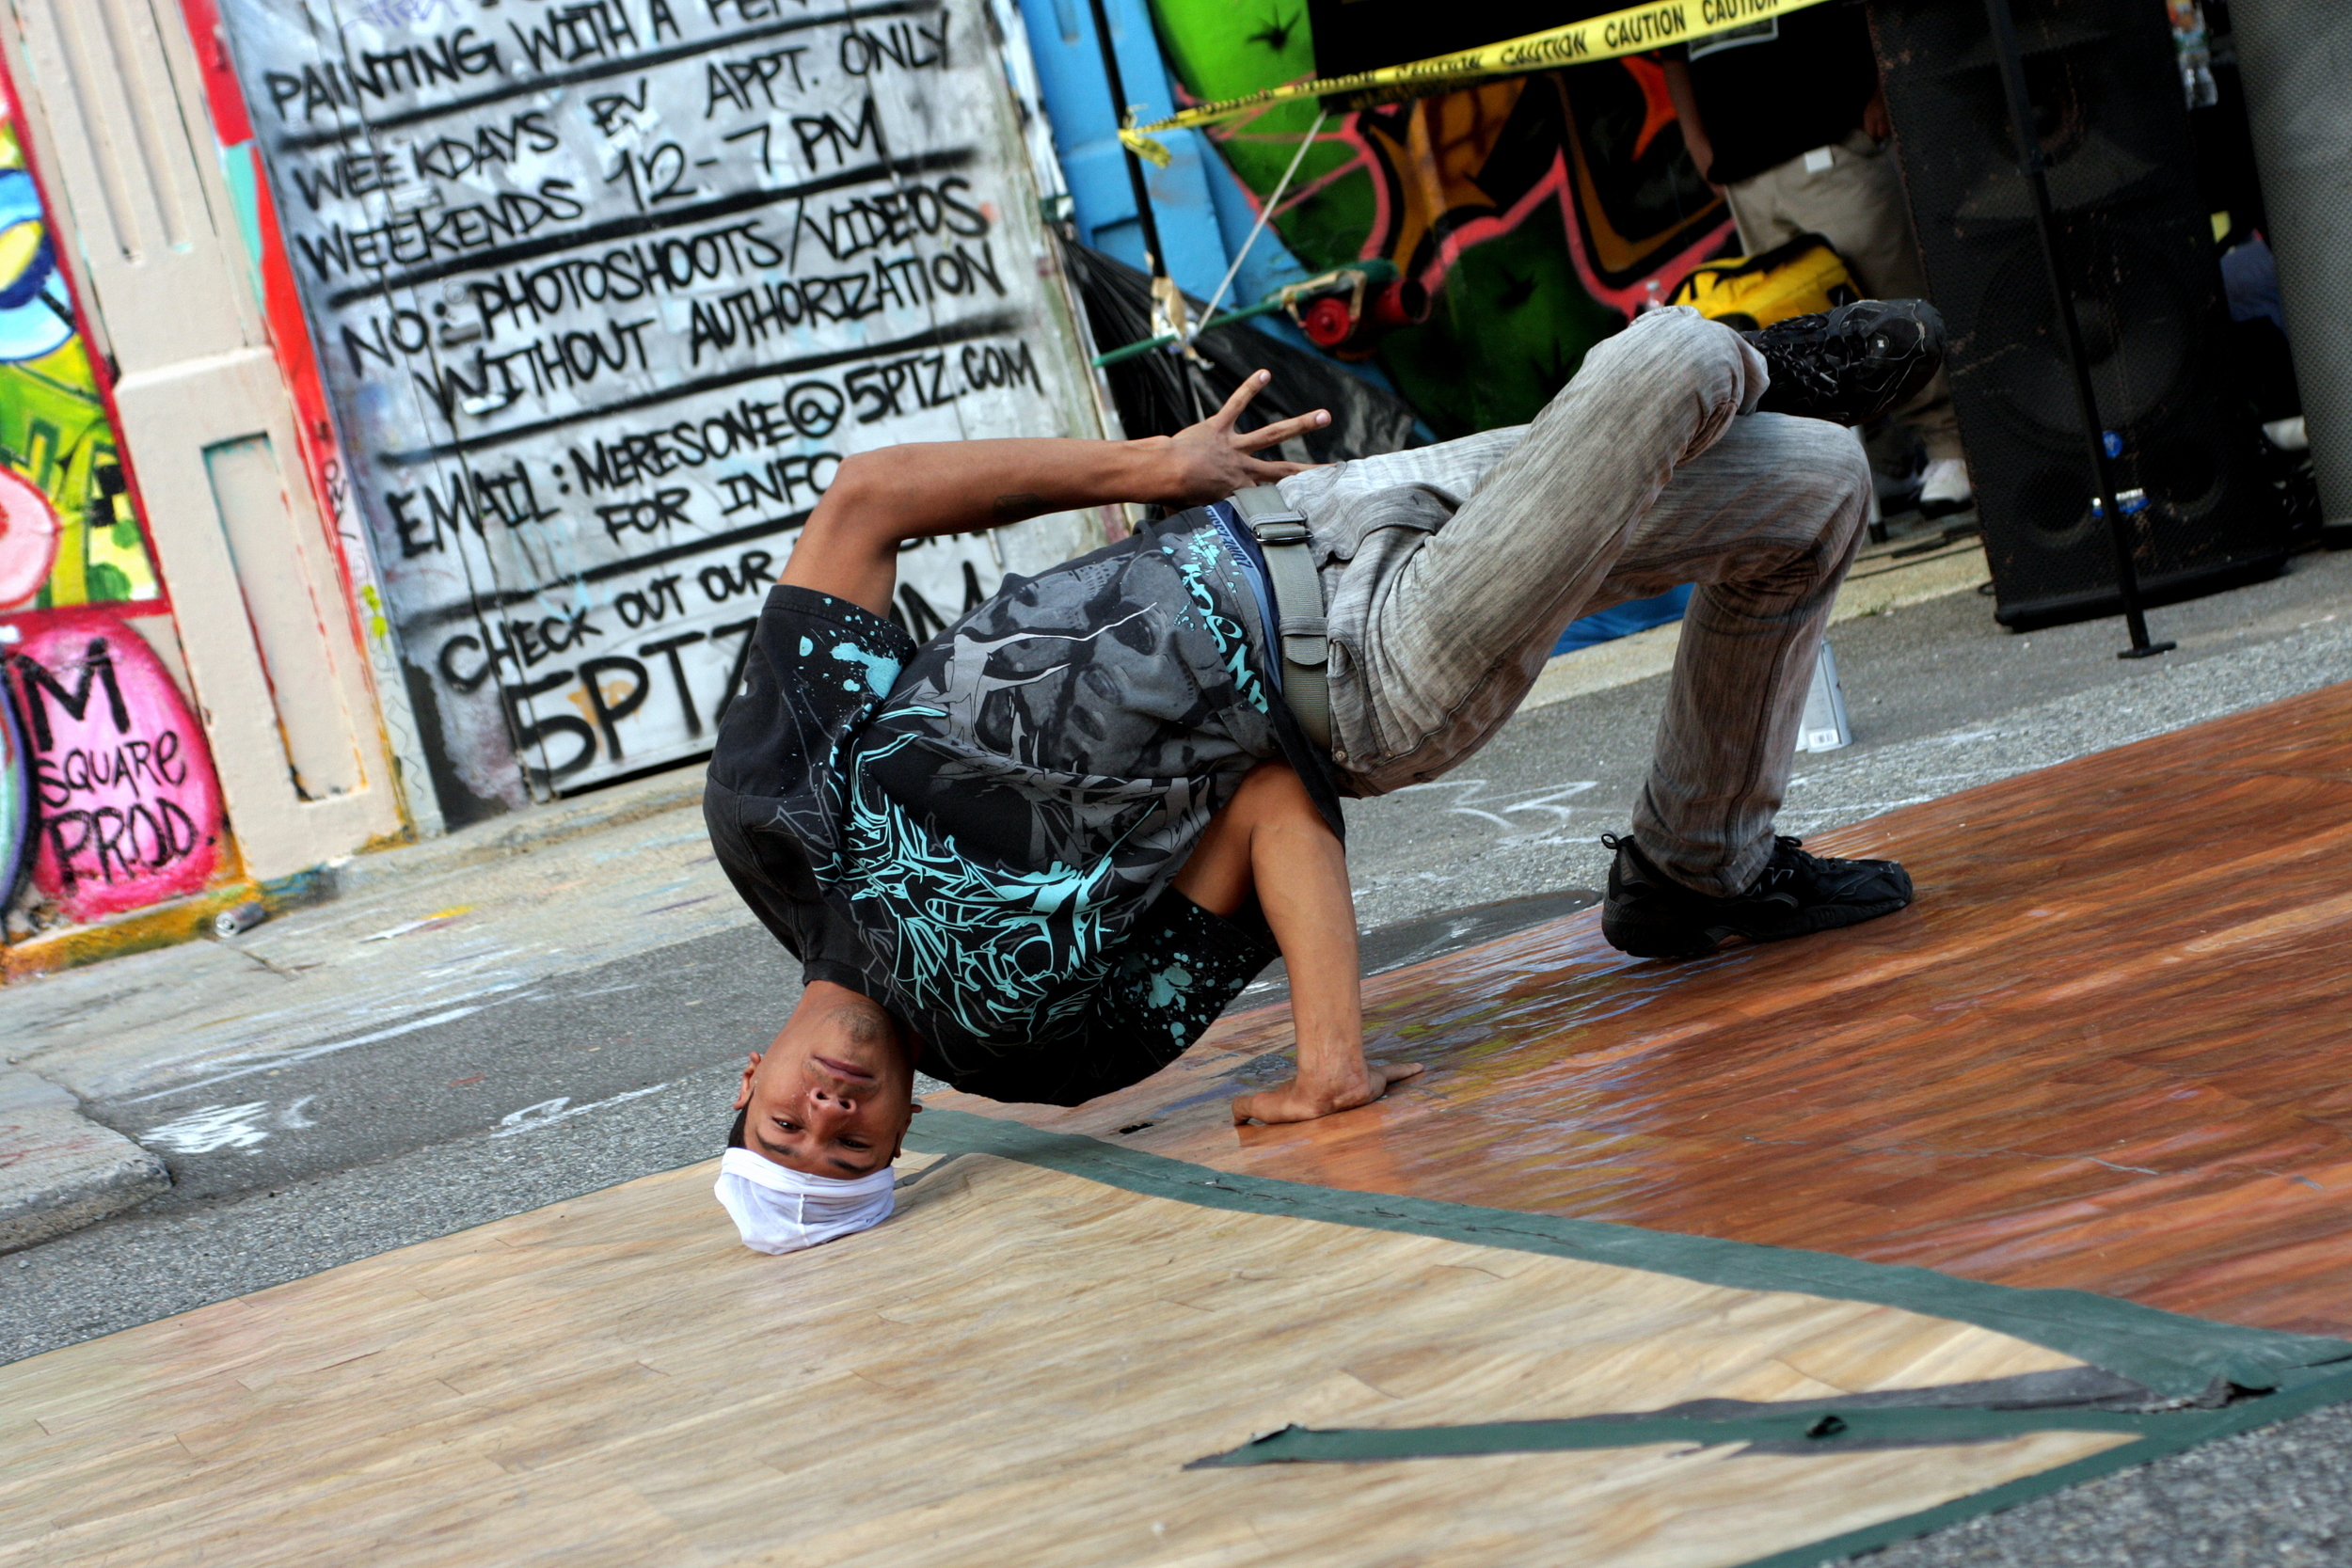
2081,1399
2173,1356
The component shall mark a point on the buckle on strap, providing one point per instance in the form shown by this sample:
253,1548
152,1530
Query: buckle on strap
1290,529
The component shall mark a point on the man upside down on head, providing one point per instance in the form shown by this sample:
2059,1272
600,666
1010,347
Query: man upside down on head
1037,856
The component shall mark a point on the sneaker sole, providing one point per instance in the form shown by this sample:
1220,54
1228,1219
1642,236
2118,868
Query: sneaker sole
1658,942
1681,942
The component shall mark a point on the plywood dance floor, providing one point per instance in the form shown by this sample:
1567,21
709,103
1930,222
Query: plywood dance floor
1012,1371
2102,1053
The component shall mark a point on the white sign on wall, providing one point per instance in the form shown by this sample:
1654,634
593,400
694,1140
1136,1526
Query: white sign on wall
605,289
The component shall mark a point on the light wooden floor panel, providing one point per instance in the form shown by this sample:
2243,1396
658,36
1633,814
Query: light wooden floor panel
2106,1050
1012,1371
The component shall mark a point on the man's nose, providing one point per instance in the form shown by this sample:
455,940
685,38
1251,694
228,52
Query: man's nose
828,1107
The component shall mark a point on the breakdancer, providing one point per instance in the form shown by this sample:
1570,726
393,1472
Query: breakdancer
1037,856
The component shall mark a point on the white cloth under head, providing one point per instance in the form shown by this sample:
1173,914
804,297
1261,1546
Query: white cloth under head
780,1210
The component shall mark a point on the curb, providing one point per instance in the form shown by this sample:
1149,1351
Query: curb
165,925
59,1170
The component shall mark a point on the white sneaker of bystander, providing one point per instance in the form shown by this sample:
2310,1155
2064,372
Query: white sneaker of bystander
1943,488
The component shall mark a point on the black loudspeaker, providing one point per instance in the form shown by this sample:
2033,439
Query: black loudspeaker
2137,246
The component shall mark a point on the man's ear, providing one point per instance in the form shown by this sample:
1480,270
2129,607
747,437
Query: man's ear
915,1108
744,1090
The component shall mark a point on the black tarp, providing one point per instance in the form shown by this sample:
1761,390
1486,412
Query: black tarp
1150,390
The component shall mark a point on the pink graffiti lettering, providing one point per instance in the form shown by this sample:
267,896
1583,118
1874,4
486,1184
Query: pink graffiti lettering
130,807
159,762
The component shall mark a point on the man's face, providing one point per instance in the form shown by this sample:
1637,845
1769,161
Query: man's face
833,1095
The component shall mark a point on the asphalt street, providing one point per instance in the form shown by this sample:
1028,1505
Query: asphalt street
357,1133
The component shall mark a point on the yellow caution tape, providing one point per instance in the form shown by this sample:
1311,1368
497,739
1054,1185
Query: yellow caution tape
1144,147
1634,30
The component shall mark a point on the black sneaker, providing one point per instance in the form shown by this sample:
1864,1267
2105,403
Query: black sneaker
1852,364
1650,915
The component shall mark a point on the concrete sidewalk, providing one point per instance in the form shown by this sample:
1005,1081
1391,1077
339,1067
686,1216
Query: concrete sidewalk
59,1169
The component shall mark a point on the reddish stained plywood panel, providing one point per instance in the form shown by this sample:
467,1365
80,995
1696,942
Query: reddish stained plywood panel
2106,1050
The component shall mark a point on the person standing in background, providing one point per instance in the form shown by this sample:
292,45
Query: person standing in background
1788,118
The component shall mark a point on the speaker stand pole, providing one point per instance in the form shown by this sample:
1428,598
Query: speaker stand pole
2034,164
1154,259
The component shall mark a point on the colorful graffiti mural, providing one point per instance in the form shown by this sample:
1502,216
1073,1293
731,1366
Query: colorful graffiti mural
16,802
108,794
68,535
129,809
1538,212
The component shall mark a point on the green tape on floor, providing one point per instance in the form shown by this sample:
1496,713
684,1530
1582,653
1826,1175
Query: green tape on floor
1825,1433
2176,1357
2304,1392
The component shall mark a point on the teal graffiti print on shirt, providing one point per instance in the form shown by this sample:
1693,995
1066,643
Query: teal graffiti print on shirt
987,948
1171,988
880,669
1232,644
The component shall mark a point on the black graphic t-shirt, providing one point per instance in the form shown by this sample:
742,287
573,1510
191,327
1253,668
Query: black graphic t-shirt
972,831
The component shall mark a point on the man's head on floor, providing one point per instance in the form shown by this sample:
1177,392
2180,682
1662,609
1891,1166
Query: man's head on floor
833,1092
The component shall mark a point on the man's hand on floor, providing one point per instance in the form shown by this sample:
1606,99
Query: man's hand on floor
1292,1099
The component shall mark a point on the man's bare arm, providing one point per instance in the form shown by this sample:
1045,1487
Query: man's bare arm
880,499
1270,840
1302,887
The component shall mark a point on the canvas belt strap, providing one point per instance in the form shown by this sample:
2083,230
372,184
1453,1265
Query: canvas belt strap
1302,633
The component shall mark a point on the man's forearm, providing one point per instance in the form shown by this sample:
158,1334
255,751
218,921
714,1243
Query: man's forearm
929,488
880,499
1303,889
1299,871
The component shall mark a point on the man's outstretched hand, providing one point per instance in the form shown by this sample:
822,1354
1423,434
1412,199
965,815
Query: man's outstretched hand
1210,461
1294,1101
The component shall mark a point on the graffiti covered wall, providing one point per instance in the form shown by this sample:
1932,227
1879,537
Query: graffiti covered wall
1537,211
107,796
604,292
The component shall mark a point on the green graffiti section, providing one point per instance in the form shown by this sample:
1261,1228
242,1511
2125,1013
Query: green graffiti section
68,533
1538,212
